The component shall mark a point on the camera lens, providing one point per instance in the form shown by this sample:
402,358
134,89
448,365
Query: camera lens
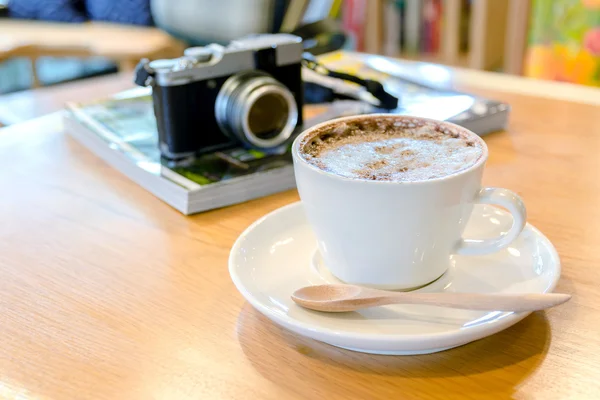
268,115
256,109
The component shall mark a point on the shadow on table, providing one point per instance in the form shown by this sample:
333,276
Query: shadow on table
516,351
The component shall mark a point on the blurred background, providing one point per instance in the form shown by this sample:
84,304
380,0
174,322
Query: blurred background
45,43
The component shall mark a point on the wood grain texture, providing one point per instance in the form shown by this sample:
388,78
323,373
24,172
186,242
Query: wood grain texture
108,293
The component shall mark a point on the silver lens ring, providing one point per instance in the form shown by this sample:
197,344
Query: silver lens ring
235,102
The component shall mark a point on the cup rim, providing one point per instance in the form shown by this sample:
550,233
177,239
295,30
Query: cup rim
298,158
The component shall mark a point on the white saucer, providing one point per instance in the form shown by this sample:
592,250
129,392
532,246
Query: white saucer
277,255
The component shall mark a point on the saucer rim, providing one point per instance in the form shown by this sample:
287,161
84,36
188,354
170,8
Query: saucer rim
329,335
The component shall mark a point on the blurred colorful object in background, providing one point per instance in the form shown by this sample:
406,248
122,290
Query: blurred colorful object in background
564,41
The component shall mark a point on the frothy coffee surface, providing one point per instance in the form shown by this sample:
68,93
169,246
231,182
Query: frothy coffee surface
391,149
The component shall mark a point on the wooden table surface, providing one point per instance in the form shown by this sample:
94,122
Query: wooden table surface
20,38
108,293
124,44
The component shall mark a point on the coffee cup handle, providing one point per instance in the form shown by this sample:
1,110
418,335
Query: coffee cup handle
504,198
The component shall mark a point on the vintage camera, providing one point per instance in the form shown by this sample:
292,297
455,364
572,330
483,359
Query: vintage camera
215,97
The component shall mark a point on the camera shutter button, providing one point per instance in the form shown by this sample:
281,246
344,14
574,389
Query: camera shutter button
200,54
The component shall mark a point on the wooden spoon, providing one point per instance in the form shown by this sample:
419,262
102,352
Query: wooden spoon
340,298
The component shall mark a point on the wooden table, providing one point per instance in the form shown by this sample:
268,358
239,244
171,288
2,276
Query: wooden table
108,293
125,44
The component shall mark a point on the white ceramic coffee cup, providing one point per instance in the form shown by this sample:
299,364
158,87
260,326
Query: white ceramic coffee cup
397,235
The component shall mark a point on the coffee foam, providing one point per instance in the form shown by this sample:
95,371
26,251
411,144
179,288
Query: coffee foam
391,149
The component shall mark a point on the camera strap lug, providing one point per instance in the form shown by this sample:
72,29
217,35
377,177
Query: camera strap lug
143,74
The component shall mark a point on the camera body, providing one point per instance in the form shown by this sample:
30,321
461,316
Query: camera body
249,92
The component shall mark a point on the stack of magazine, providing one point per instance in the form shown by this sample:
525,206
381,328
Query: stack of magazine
122,131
